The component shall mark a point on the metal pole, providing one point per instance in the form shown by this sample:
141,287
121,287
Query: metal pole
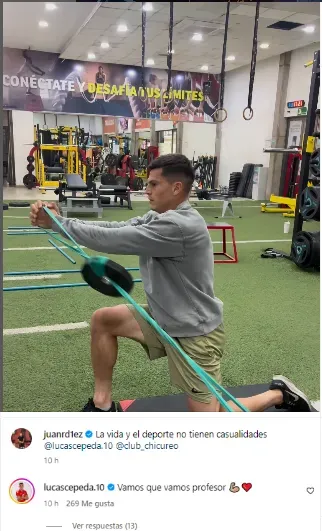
309,130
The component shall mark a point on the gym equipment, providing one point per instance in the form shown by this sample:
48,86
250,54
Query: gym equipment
22,204
29,233
178,403
55,286
315,163
96,269
53,272
305,250
119,192
205,172
285,204
99,269
305,246
225,227
252,68
245,182
74,183
220,108
288,211
56,152
62,252
310,203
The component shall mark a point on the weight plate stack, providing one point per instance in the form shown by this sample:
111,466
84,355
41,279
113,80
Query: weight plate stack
305,250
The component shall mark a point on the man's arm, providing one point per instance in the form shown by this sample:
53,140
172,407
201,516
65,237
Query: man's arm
159,238
112,224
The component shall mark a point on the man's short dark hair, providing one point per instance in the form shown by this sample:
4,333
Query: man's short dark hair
175,167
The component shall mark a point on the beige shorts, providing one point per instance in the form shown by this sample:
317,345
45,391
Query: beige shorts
206,351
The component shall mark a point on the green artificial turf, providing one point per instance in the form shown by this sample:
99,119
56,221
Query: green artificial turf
271,312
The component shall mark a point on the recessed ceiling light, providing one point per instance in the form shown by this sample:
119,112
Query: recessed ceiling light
43,24
309,29
105,45
231,58
197,37
147,6
122,27
204,67
51,7
91,55
150,62
264,45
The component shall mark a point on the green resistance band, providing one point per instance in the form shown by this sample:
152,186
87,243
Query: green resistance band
97,263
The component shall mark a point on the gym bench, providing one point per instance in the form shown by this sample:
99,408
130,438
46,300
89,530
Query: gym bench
73,204
119,192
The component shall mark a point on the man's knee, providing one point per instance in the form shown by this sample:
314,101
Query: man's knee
107,319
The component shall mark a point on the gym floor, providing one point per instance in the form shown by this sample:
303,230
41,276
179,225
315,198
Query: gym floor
271,311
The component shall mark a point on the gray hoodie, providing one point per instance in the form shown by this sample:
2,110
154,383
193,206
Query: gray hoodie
176,264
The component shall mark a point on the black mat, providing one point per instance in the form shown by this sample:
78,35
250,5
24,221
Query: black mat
178,403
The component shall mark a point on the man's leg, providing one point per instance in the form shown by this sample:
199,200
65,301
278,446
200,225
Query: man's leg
283,394
258,403
107,325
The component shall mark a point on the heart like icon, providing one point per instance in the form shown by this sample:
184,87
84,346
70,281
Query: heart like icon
310,490
246,486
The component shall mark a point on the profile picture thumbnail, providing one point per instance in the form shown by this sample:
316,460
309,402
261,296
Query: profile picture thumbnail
21,438
21,491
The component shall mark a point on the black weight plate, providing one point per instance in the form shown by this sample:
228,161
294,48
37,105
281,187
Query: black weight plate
310,203
315,163
29,180
108,178
112,271
5,206
111,160
30,158
138,184
302,249
30,168
19,205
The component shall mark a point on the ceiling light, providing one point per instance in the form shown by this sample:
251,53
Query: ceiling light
197,37
91,55
122,27
131,73
231,58
78,68
150,62
205,68
43,24
105,45
51,7
147,6
309,29
264,45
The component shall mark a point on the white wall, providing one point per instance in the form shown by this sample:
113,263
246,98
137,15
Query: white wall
23,131
299,80
243,141
198,139
92,124
163,125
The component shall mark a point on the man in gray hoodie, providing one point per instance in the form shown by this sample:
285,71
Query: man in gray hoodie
177,269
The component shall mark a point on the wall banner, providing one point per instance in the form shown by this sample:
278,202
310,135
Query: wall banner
42,82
